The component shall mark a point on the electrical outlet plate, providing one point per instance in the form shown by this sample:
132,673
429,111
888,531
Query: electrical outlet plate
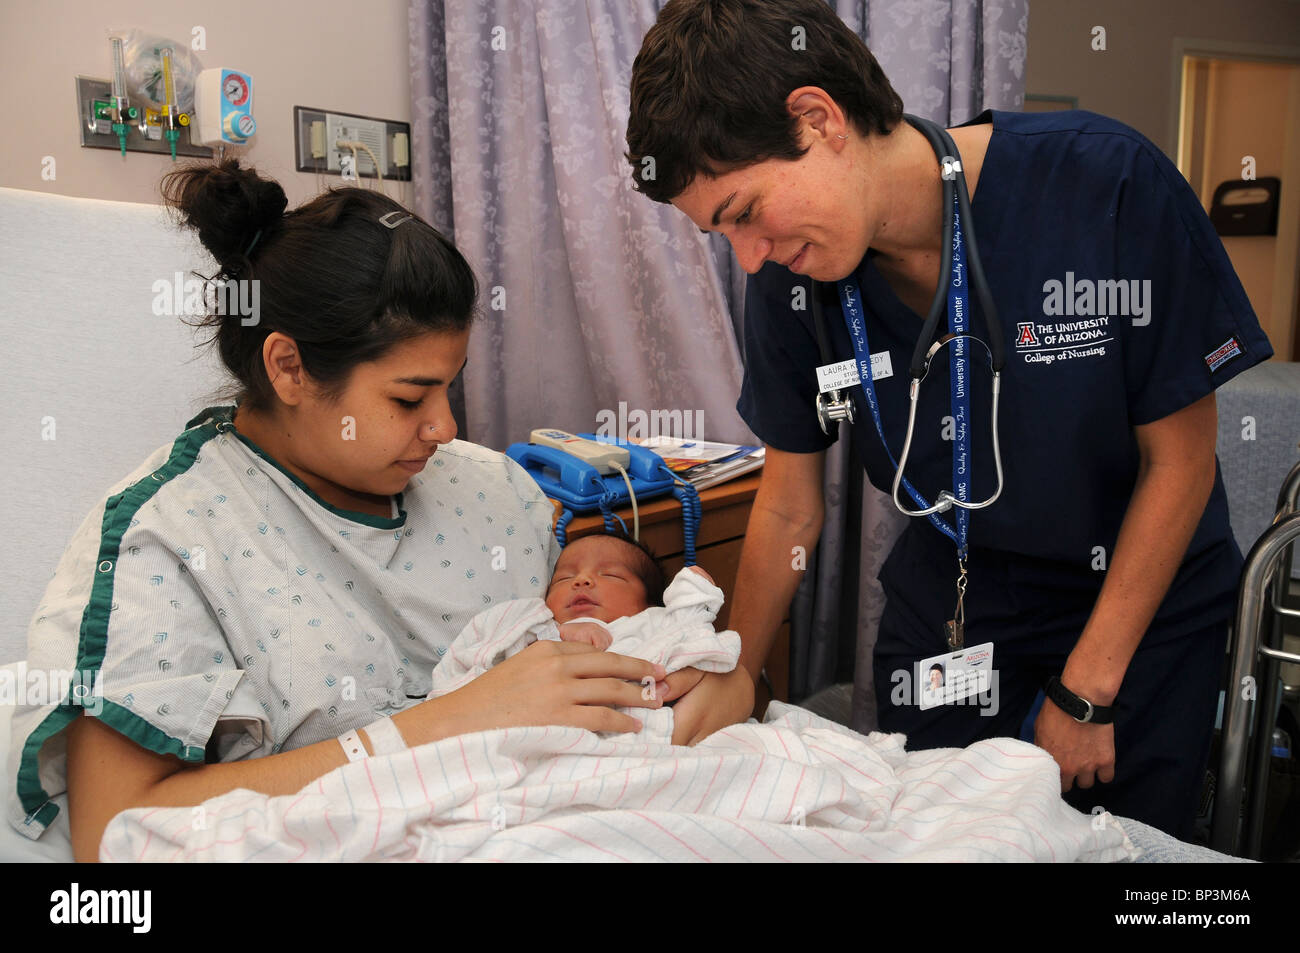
375,133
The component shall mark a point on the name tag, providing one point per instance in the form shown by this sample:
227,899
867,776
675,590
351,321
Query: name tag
881,366
844,375
953,677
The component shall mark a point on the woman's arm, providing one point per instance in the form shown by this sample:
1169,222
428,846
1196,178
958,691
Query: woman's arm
549,683
109,773
785,523
1175,478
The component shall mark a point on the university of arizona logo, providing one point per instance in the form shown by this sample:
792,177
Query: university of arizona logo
1026,337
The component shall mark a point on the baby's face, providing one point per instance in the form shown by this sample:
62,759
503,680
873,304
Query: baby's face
594,578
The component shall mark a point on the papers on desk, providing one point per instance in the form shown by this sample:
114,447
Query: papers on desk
703,462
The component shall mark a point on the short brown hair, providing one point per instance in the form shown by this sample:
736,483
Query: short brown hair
710,84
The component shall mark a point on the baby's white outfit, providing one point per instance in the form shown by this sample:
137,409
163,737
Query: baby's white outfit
677,635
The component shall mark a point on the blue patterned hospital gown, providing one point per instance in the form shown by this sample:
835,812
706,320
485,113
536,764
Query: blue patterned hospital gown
228,612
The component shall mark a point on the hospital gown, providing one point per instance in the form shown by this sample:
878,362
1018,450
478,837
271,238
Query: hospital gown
227,612
677,635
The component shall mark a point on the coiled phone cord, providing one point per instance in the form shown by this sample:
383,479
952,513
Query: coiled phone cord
561,527
691,515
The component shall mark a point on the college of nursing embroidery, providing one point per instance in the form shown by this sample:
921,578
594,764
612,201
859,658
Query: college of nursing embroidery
1048,342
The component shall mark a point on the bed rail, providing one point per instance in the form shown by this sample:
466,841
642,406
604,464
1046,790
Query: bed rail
1257,643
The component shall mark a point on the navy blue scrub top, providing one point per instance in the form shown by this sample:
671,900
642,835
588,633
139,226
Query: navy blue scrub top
1072,198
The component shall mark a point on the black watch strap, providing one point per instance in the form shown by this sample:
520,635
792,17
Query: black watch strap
1080,709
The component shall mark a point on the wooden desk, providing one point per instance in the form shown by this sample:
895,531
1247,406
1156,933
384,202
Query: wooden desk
724,516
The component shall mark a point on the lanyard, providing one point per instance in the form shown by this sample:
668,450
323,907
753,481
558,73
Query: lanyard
959,383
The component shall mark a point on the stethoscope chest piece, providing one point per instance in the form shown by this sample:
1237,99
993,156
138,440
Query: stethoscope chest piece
832,407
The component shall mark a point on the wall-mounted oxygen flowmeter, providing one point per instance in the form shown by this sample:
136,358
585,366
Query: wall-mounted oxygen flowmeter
146,106
122,112
223,108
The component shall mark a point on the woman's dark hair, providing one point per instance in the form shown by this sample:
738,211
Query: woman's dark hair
331,274
710,84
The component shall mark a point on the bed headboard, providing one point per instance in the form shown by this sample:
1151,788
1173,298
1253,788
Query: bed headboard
83,351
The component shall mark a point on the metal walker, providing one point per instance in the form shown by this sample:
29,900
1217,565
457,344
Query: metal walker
1253,697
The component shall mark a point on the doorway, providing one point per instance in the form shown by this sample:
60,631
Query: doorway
1239,118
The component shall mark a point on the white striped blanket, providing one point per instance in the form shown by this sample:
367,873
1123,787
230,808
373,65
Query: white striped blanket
796,788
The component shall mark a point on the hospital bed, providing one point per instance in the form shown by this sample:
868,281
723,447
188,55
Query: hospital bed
353,801
81,325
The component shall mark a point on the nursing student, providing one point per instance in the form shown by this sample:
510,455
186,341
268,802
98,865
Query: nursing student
265,597
1103,574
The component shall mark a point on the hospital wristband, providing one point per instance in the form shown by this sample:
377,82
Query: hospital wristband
385,738
352,746
586,618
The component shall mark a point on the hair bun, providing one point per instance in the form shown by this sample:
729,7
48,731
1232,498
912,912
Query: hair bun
227,205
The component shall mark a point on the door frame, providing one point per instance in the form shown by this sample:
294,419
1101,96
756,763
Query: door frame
1286,285
1221,49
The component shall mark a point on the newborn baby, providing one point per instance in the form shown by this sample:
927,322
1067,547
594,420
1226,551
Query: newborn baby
606,591
600,579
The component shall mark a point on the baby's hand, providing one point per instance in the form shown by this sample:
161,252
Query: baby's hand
703,573
589,632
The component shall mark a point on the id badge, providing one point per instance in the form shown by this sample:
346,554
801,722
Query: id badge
839,376
951,678
845,374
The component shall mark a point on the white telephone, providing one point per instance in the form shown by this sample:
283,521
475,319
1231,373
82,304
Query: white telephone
602,456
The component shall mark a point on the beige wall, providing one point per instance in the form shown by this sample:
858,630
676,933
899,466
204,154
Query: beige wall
338,54
328,54
1131,80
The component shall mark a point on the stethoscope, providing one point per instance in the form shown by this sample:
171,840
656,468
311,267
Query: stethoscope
837,404
951,298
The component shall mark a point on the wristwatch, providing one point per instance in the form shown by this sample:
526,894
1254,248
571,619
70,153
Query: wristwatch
1080,709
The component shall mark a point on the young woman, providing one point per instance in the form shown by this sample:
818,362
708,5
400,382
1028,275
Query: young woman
266,596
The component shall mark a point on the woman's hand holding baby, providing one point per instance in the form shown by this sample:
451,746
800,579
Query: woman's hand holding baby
548,683
595,634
